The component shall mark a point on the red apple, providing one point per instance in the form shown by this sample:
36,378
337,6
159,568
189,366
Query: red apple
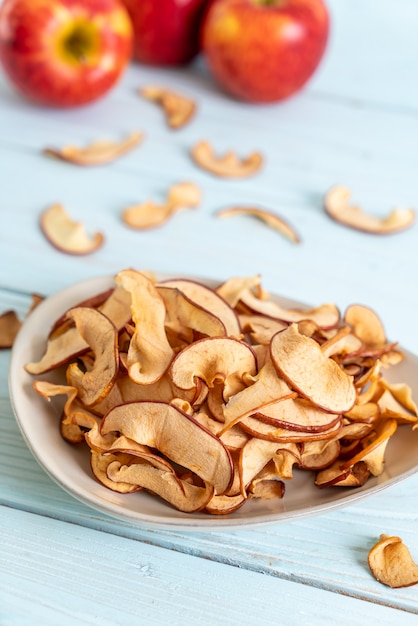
64,53
264,50
166,31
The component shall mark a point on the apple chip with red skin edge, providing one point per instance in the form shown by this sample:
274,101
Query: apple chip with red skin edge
176,435
208,299
181,494
391,563
227,165
214,360
65,234
268,217
68,344
337,206
97,152
102,337
99,464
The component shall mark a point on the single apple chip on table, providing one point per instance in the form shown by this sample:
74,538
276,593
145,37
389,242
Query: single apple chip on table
337,206
65,234
172,395
97,152
391,563
150,215
178,109
9,327
268,217
227,165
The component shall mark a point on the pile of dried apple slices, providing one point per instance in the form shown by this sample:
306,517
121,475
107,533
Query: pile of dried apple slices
210,397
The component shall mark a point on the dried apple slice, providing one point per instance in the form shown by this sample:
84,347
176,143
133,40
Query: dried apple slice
373,452
324,316
228,165
366,325
9,327
337,206
65,234
176,435
150,215
100,462
163,482
149,353
101,336
64,346
336,476
267,485
267,387
268,217
184,195
214,360
391,563
178,109
96,153
184,313
146,215
208,299
300,361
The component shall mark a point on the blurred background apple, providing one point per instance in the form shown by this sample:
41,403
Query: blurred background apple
166,31
64,53
264,50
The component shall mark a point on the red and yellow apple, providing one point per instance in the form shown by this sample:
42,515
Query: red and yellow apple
264,50
64,53
166,31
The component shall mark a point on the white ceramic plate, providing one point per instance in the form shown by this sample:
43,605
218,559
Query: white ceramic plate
69,465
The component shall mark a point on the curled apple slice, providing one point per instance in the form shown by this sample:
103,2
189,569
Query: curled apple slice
325,316
391,563
65,234
101,336
96,153
268,217
319,379
178,109
214,360
176,435
149,353
209,300
100,462
9,327
228,165
163,482
337,206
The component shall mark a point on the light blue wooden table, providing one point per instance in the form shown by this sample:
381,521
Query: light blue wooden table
355,124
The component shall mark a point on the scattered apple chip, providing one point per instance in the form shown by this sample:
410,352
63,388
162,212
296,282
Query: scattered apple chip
211,397
227,165
150,215
9,327
337,206
268,217
178,109
65,234
96,153
391,563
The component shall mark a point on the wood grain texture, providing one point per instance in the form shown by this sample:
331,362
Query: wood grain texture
356,124
94,579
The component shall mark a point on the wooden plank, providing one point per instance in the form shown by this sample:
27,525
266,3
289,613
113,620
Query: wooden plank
62,573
